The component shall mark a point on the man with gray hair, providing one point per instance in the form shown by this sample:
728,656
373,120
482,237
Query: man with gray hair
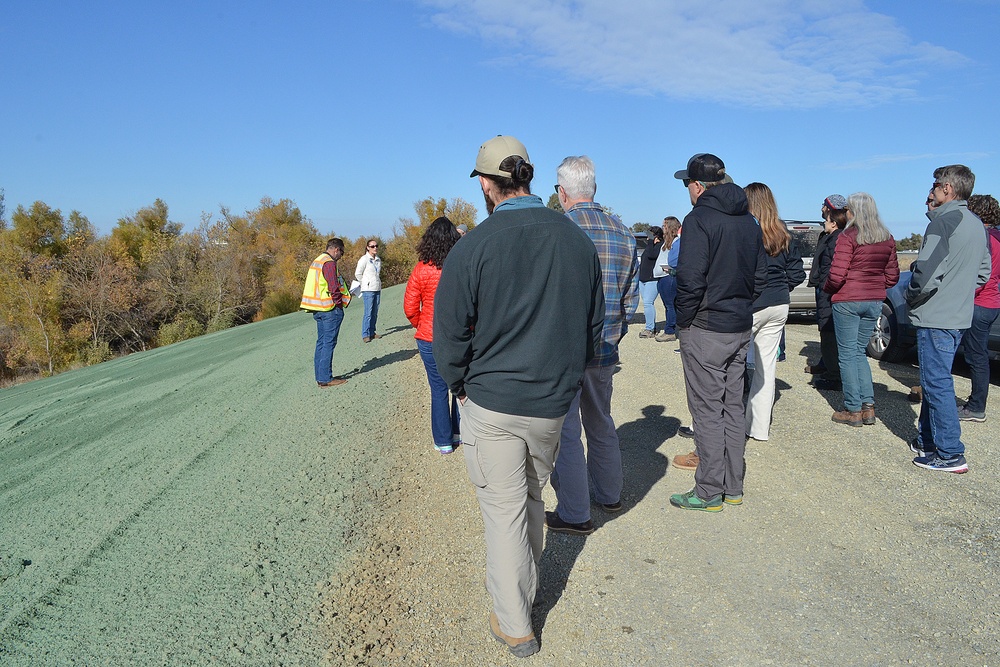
954,258
591,407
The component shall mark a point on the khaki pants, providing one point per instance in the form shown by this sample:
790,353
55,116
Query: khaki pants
509,458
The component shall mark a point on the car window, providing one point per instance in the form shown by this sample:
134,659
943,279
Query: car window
807,235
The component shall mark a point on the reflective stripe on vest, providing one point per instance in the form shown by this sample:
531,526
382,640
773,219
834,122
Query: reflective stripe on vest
316,291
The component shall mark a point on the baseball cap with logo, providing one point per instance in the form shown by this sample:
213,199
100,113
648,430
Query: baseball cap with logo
494,152
703,167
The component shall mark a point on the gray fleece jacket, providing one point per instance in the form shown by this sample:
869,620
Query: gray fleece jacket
954,259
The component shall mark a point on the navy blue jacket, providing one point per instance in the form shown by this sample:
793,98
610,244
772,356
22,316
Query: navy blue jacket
722,267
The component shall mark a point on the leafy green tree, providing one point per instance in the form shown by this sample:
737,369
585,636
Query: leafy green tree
913,242
554,203
39,230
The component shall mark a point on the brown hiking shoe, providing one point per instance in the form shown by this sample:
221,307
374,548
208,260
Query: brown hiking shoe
868,414
522,647
335,382
848,417
686,461
916,394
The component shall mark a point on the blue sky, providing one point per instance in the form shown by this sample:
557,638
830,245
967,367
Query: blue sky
355,109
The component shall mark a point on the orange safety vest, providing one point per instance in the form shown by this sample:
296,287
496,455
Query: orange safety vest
316,291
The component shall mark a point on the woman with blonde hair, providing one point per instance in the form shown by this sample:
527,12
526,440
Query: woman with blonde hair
770,309
864,266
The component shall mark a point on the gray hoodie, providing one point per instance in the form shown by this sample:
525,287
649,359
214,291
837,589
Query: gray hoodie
954,259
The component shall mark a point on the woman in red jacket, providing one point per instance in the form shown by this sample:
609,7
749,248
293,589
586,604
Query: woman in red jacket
418,305
864,265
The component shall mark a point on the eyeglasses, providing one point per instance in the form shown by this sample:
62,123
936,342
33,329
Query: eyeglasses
556,186
373,246
937,185
686,182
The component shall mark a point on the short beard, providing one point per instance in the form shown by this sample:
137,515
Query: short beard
490,205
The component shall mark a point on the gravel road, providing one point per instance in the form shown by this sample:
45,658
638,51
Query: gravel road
206,503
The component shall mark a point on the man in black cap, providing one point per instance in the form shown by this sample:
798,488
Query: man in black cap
722,268
518,314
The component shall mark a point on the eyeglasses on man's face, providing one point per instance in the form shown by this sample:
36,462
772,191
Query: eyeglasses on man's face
937,185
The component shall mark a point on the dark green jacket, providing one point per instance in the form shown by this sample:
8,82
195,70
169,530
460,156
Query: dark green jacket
519,312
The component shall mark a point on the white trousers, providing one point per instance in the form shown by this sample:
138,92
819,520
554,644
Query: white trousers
767,326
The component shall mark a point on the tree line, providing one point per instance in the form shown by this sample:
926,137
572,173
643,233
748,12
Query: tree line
70,297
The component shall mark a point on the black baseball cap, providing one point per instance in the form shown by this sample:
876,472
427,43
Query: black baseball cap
703,167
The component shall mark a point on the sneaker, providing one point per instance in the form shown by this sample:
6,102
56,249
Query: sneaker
557,525
690,501
686,461
375,335
916,394
732,500
917,448
815,369
522,647
685,431
335,382
848,417
646,333
366,339
611,508
444,449
664,337
957,465
966,415
868,414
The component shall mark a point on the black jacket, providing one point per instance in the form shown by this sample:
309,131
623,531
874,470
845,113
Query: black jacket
784,273
647,263
519,311
818,274
722,267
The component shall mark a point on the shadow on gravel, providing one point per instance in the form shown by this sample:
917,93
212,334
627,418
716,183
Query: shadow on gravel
389,332
643,466
379,362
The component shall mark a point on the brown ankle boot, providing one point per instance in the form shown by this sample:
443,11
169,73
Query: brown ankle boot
847,417
868,413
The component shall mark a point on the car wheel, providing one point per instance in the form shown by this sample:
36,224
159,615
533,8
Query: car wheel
884,344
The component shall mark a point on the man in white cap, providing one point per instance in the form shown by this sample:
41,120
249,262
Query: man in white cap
518,314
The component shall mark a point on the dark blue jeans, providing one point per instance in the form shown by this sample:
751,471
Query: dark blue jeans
976,343
939,427
667,287
371,299
444,412
327,329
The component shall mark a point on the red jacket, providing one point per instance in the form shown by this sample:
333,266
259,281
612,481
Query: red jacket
418,301
861,272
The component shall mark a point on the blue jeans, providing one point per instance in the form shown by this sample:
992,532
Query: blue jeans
938,424
854,322
371,300
601,466
647,290
976,343
327,330
444,412
667,287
